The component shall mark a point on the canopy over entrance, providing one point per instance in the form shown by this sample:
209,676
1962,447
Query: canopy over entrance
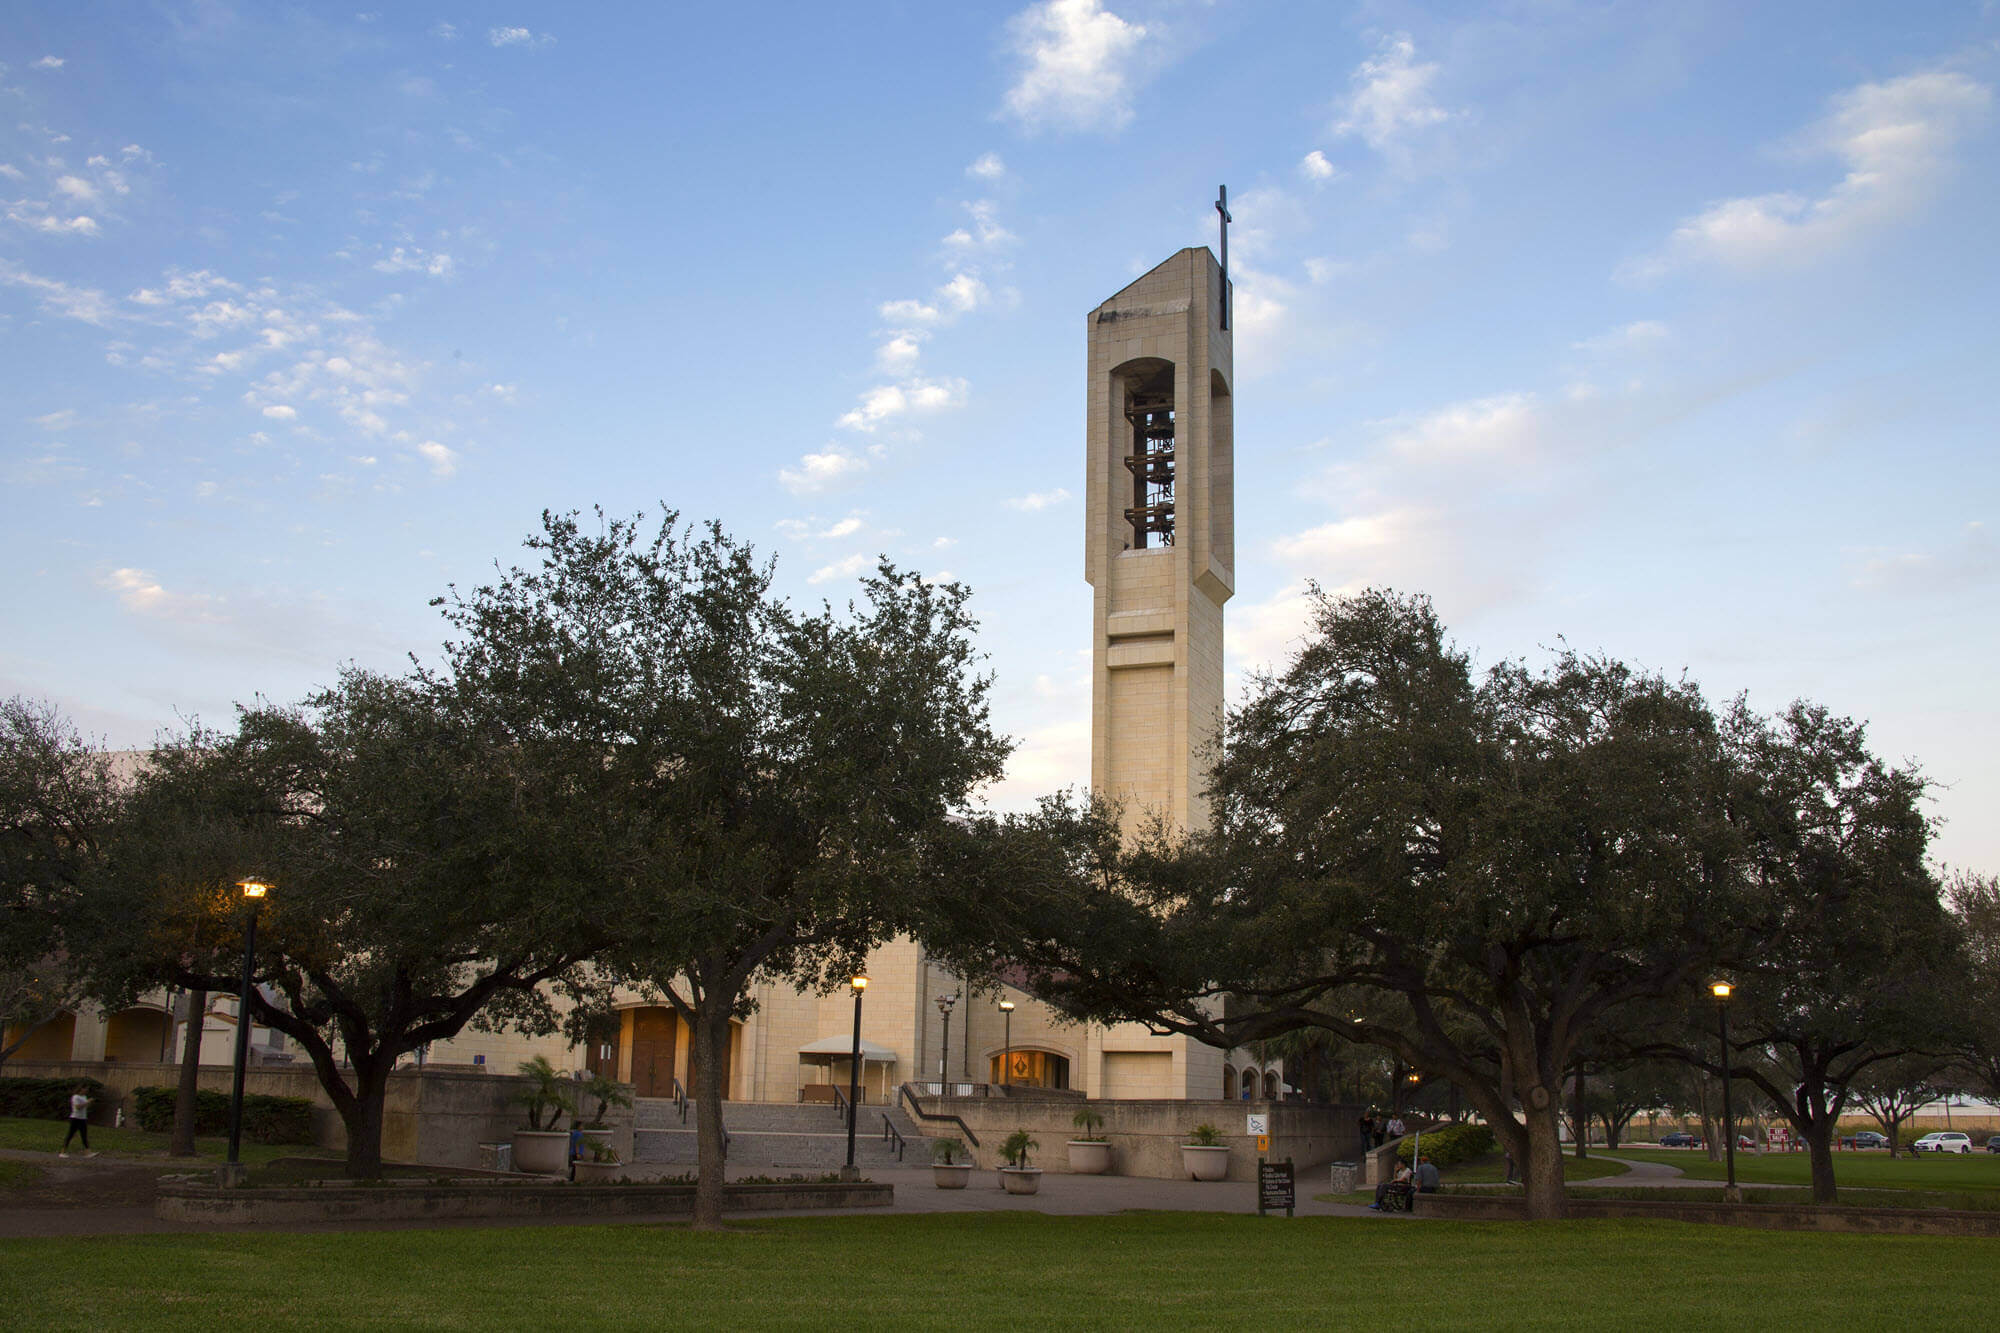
829,1049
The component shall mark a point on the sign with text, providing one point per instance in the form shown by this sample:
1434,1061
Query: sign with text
1275,1187
1257,1124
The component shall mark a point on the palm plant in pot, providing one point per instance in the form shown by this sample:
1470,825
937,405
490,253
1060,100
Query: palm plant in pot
1017,1177
541,1147
1205,1156
599,1162
1089,1152
607,1092
951,1167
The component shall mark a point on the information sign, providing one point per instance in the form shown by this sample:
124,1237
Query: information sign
1275,1187
1257,1124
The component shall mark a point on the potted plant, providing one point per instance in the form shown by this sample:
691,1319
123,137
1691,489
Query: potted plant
541,1148
1089,1152
607,1092
1205,1156
1017,1177
950,1166
600,1163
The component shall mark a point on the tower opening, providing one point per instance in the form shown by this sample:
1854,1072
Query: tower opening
1149,408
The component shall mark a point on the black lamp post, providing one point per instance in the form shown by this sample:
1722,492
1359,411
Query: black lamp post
854,1079
1721,990
1007,1060
254,891
944,1004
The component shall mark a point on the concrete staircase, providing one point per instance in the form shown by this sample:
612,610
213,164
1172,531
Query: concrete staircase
776,1135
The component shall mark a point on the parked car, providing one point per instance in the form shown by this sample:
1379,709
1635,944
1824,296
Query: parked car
1993,1144
1680,1139
1868,1138
1945,1140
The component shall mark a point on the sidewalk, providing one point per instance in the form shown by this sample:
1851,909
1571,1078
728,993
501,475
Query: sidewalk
102,1197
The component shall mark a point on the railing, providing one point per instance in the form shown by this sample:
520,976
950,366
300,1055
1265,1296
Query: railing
840,1103
911,1104
681,1104
890,1134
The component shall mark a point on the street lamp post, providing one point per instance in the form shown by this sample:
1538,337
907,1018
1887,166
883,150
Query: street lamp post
854,1080
944,1004
253,892
1007,1059
1721,990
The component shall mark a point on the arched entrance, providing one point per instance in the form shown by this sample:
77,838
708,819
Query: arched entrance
1030,1069
1249,1084
136,1035
1228,1082
51,1041
1271,1085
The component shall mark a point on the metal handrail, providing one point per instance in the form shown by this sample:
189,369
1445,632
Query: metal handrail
910,1103
890,1134
840,1102
681,1102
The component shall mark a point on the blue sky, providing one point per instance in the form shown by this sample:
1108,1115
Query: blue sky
1665,330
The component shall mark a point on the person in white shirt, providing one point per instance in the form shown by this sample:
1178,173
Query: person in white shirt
1397,1128
79,1121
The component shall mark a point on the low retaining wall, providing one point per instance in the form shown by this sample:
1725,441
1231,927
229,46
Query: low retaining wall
428,1115
1764,1216
1146,1136
422,1203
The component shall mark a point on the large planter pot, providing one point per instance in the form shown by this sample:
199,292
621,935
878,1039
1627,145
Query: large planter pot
1021,1179
589,1172
544,1152
1201,1162
591,1136
952,1177
1089,1157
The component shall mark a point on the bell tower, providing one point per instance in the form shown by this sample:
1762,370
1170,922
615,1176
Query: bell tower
1159,537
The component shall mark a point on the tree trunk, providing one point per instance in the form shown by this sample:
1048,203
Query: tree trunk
1819,1141
362,1115
711,1037
1542,1173
1581,1119
185,1099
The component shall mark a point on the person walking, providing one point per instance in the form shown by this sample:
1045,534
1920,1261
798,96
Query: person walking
1396,1127
79,1120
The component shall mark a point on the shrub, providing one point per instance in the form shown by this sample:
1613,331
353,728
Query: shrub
265,1119
1089,1121
1015,1149
44,1098
946,1152
1205,1136
1450,1145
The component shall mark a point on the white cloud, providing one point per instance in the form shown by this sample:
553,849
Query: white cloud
142,594
1317,169
987,167
908,312
513,37
1039,500
1391,103
1079,66
414,260
445,32
77,188
822,471
59,298
48,62
1640,333
1969,557
34,217
899,355
847,527
840,569
944,543
986,230
1897,141
443,460
889,401
282,412
1503,426
965,293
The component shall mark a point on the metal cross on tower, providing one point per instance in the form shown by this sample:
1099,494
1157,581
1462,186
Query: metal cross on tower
1222,207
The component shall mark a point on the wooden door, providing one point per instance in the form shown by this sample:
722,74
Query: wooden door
655,1041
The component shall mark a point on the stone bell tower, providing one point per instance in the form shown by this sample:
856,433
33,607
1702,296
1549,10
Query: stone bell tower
1159,536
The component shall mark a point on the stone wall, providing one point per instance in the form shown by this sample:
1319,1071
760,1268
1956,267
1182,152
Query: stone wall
1146,1136
431,1116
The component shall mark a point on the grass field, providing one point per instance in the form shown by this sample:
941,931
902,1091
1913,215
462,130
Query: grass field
1008,1270
1492,1170
1975,1173
17,1175
47,1136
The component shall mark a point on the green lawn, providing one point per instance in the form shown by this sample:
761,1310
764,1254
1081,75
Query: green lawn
1492,1170
47,1136
1975,1173
1008,1270
15,1175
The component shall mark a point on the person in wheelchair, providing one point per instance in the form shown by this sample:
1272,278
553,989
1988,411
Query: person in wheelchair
1398,1195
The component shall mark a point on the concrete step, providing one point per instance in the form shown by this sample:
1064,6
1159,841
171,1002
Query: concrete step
824,1152
765,1117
